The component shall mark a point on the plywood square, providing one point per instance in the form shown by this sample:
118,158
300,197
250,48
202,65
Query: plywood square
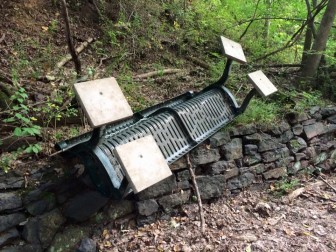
102,101
143,163
263,85
233,50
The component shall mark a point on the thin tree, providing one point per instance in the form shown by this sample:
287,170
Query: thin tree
312,61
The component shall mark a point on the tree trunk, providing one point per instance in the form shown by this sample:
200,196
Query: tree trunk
310,67
267,21
310,32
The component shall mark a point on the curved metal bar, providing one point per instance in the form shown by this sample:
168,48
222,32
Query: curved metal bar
246,101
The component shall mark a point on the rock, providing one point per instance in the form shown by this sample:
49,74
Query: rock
283,162
170,201
297,144
284,126
314,110
67,240
41,206
87,245
269,143
271,156
183,185
328,111
263,209
299,156
145,220
320,158
147,207
252,139
275,173
11,220
159,189
250,149
41,229
204,156
9,181
183,175
243,130
310,152
120,208
230,173
8,236
84,205
219,139
330,128
332,119
211,186
242,181
23,248
286,136
220,167
252,159
297,129
9,201
258,169
295,168
309,122
313,130
179,164
233,150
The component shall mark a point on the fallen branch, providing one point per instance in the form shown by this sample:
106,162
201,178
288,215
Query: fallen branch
326,182
200,207
279,65
158,73
199,62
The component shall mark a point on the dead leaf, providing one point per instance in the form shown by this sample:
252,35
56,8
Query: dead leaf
296,193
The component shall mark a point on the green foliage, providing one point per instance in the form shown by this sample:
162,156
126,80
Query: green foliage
259,111
284,186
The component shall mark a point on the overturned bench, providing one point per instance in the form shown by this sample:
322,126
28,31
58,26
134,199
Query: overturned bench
133,152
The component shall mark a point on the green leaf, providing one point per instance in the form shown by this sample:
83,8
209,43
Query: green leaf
9,120
18,132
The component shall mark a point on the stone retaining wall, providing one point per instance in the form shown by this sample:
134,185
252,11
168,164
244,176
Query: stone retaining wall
61,214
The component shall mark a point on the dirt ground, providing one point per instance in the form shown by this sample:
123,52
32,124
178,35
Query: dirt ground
254,220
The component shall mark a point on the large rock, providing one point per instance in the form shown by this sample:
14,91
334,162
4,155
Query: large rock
286,136
313,130
11,220
23,248
67,240
41,206
211,186
170,201
7,236
84,205
297,129
201,156
252,159
220,167
219,139
119,209
328,111
243,130
240,182
9,201
87,245
297,144
233,150
147,207
42,229
159,189
10,181
274,155
269,143
275,173
253,139
250,149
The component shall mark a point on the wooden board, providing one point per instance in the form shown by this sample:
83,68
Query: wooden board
142,162
233,50
263,85
102,101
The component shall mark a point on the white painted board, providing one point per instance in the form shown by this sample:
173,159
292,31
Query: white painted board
143,163
102,101
233,50
263,85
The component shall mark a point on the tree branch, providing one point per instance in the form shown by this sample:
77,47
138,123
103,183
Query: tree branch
69,39
252,20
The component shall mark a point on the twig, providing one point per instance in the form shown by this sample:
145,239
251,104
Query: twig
200,207
326,182
250,23
158,73
199,62
69,39
2,37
